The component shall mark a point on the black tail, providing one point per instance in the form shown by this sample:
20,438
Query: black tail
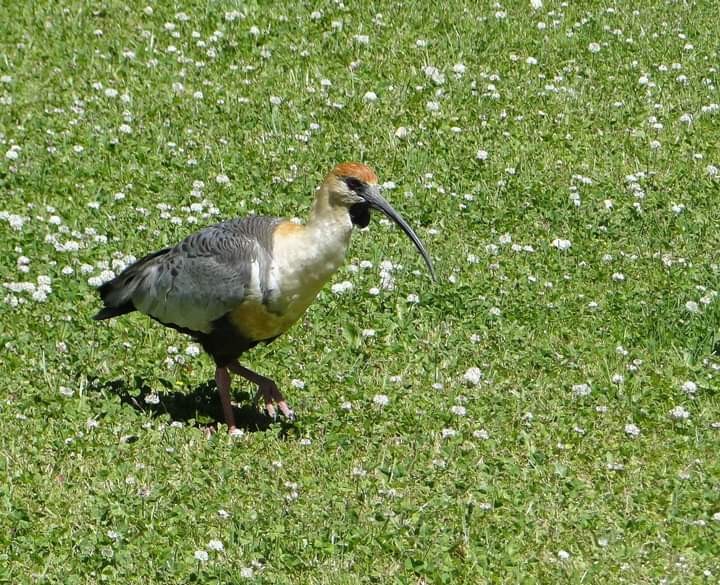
117,293
110,312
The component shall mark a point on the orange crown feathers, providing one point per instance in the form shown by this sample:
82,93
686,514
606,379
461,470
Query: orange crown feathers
357,170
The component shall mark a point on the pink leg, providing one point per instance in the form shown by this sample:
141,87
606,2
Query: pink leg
222,379
266,387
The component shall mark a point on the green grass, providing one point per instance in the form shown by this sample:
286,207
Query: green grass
97,483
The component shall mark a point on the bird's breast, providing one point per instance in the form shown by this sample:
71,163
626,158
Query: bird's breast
302,262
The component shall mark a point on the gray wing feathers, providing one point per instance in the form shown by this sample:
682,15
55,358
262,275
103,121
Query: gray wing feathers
208,274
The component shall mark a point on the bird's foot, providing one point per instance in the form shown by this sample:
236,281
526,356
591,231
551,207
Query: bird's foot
271,396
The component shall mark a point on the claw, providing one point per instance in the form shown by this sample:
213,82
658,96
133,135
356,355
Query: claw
267,389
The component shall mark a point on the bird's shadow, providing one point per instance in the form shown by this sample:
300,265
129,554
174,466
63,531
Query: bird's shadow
198,407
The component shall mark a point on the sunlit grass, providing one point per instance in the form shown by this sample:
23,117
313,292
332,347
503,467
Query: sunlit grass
547,412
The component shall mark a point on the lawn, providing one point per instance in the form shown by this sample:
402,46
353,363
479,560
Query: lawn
546,412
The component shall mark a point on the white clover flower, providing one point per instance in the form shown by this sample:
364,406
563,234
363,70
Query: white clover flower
632,430
201,555
432,106
712,171
39,296
362,39
215,545
536,4
341,287
222,179
193,350
275,100
459,69
125,129
482,155
247,572
370,97
346,405
434,74
381,400
413,298
458,410
618,276
448,433
494,312
581,390
679,413
594,47
473,376
689,387
401,133
678,208
481,434
617,379
692,307
561,244
368,332
563,555
296,383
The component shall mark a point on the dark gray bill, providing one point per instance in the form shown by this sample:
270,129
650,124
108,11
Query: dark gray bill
373,197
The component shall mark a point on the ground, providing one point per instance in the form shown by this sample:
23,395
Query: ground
546,412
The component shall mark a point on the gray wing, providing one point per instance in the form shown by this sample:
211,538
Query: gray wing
207,274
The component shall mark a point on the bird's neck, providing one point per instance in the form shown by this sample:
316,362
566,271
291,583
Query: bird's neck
328,221
311,253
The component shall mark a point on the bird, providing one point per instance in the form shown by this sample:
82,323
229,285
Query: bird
246,281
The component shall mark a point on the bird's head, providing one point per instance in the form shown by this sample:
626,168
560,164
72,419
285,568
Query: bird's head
354,186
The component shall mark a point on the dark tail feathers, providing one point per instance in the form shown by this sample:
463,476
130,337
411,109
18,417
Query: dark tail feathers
110,312
117,293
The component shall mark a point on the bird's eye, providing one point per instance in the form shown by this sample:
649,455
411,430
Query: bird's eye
354,184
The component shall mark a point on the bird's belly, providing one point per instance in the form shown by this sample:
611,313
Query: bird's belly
254,321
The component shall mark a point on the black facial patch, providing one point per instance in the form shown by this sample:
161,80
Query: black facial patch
354,184
360,214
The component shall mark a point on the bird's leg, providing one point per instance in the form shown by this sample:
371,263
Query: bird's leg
266,387
222,379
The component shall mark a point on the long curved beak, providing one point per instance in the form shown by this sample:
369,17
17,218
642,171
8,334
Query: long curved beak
373,197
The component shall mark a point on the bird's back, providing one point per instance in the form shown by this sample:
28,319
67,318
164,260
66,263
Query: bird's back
199,280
